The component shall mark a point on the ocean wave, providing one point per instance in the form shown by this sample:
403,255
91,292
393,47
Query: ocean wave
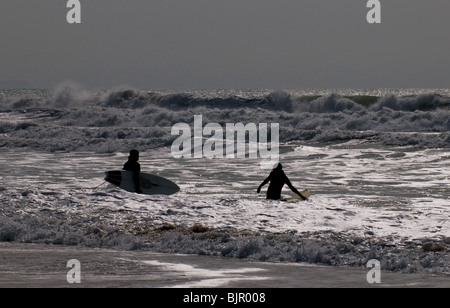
72,96
367,202
424,102
76,119
98,230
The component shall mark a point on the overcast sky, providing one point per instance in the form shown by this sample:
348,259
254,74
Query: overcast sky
205,44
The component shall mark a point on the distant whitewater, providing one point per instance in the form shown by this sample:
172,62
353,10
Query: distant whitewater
70,119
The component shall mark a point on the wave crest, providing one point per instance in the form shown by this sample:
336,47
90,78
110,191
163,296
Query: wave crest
69,118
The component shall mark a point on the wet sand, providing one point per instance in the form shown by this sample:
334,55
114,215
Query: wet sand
43,266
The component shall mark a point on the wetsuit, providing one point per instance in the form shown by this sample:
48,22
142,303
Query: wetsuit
134,166
277,179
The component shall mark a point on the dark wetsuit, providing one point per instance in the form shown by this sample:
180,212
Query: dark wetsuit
277,179
134,166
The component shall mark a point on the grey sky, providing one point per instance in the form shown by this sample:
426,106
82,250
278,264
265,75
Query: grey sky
276,44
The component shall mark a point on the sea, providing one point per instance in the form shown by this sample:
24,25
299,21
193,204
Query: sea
376,162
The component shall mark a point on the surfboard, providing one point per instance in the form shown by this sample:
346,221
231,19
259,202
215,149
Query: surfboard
150,184
296,198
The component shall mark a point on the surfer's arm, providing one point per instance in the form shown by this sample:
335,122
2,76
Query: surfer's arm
137,182
289,184
262,184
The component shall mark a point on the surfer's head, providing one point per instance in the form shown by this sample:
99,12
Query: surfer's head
279,166
134,155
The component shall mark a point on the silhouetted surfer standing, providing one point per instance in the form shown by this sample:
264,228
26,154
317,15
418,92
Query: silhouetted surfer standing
277,179
133,165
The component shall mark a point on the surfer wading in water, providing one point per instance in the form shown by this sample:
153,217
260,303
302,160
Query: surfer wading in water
133,165
277,179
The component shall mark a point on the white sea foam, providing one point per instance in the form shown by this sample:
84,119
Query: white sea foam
107,121
377,169
360,194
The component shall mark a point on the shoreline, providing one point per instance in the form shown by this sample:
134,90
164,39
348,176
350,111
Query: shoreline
45,266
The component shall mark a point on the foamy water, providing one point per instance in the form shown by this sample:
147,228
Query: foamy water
379,189
51,198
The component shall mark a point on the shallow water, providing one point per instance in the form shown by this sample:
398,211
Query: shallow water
387,197
31,265
401,192
376,164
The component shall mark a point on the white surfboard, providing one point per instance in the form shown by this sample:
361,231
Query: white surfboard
150,184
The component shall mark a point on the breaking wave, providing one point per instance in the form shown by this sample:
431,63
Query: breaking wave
98,230
68,118
72,119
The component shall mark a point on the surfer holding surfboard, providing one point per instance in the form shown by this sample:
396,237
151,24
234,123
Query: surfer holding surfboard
133,165
277,179
133,180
